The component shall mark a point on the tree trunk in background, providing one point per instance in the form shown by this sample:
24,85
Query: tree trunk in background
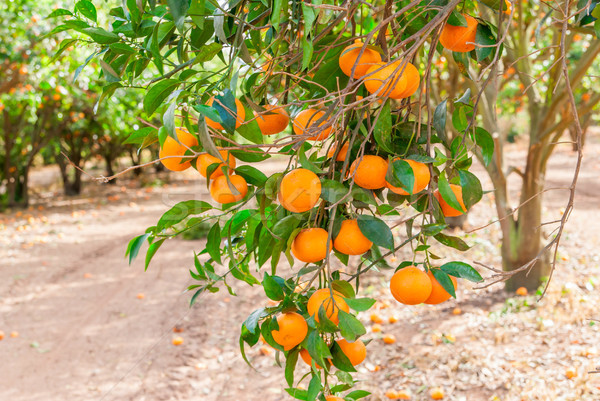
109,169
70,187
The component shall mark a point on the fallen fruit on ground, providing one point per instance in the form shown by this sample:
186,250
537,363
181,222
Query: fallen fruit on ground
389,339
437,393
177,340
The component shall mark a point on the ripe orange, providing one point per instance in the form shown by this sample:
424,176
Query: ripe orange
350,240
341,156
376,328
457,38
438,293
392,319
300,190
571,373
304,124
310,245
401,79
350,57
410,286
292,330
140,295
389,339
422,178
1,335
397,395
369,171
508,7
177,340
448,210
356,351
333,398
307,359
437,393
14,334
172,148
205,160
456,311
220,191
273,121
521,291
239,113
331,305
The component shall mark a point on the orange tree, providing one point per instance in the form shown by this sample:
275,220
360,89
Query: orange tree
342,92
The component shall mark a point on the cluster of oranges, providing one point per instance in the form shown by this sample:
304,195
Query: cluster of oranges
293,327
412,286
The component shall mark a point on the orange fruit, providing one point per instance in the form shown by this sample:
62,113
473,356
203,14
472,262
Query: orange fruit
310,245
333,398
205,160
341,156
422,178
171,148
273,121
350,240
177,340
369,172
438,293
521,291
389,339
140,296
571,373
375,318
410,286
376,328
304,124
1,335
391,394
508,7
240,115
307,358
221,192
356,351
436,393
331,305
292,330
401,79
456,311
457,38
299,190
448,210
393,319
403,395
350,57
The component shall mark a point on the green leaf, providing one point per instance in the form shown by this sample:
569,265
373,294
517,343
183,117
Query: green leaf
314,387
250,129
158,93
459,118
350,327
445,281
178,9
273,287
152,249
358,394
290,366
122,48
340,360
251,323
471,188
87,9
317,349
382,131
462,270
208,52
333,191
133,248
403,174
439,119
376,231
297,393
344,288
307,52
486,39
252,175
213,243
101,36
457,19
360,304
59,12
484,140
63,46
452,242
433,228
180,211
447,193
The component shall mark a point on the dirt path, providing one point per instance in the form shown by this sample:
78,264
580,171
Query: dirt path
66,288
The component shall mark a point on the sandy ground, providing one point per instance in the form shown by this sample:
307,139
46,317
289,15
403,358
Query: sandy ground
91,327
